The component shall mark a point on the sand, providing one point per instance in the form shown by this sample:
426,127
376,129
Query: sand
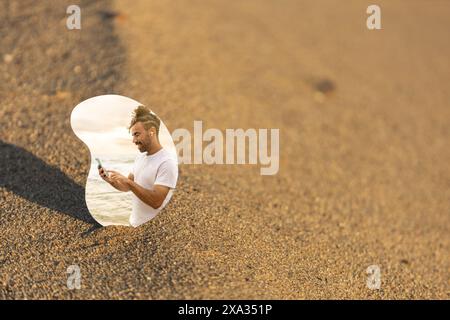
364,176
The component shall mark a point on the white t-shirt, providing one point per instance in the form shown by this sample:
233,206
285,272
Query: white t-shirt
160,168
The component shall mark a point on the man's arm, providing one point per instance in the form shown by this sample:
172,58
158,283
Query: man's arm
153,197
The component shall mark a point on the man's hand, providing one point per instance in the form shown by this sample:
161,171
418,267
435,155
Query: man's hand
116,177
103,174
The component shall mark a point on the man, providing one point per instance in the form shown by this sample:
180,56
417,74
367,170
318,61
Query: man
155,171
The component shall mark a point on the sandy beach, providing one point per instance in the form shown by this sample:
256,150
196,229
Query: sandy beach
364,173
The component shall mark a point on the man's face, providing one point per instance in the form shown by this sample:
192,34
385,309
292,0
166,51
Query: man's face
141,137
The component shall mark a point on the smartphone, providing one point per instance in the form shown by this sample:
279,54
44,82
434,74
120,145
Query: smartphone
100,166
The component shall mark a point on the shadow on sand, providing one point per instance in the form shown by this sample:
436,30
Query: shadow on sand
31,178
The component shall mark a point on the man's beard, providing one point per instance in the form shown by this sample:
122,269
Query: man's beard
143,147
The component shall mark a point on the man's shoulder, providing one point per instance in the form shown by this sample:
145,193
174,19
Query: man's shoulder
167,156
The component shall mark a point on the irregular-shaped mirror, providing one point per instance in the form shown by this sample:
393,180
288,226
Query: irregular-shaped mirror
134,167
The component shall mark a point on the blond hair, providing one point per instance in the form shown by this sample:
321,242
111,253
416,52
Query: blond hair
146,117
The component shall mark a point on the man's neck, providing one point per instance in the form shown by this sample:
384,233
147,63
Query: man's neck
154,149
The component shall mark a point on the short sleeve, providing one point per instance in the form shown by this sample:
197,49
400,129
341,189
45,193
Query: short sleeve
167,174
